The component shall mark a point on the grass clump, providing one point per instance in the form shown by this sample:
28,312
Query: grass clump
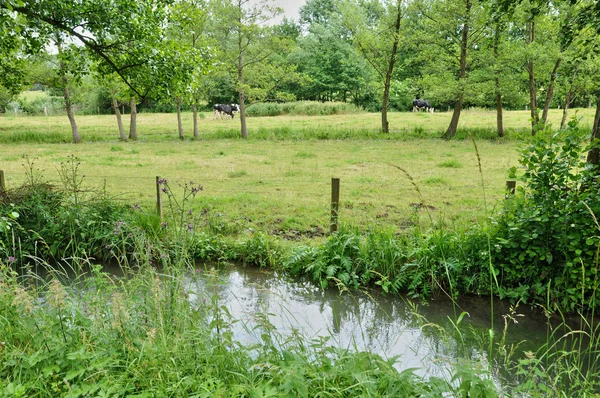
451,164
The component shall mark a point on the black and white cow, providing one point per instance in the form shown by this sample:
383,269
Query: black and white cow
224,109
419,104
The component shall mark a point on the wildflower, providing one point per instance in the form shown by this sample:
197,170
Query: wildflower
118,226
11,259
164,224
151,334
56,294
162,181
163,256
204,211
107,247
190,227
23,300
190,212
119,311
136,207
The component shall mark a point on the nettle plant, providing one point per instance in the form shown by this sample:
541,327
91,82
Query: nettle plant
547,235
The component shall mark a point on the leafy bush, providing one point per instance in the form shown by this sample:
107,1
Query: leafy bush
43,104
305,108
547,235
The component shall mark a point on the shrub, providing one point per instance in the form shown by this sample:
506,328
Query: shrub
547,235
304,108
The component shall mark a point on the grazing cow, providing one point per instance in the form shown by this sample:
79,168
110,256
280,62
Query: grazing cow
223,109
419,104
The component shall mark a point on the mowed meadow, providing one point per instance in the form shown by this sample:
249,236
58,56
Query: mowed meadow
279,180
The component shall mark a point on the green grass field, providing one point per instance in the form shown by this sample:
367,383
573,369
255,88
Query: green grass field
163,127
281,185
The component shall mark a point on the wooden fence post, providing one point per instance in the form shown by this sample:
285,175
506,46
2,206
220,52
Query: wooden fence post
2,182
158,198
335,201
511,186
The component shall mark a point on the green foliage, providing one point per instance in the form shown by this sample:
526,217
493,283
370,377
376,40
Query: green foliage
258,250
43,105
547,235
415,264
304,108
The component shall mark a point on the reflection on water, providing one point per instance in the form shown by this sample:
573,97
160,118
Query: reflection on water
386,325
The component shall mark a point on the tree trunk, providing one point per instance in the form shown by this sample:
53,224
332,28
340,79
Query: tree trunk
563,121
67,94
569,97
499,121
531,73
243,116
119,119
243,126
594,153
550,91
385,124
195,117
179,123
133,123
451,132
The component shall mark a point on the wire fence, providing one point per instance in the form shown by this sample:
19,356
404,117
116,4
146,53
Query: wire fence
358,197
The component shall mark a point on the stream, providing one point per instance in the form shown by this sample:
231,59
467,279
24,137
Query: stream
388,325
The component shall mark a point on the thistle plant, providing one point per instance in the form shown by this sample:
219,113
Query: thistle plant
180,218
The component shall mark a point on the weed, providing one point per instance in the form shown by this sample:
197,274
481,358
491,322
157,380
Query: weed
237,174
452,164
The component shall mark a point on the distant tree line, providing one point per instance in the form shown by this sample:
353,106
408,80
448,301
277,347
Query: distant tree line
173,55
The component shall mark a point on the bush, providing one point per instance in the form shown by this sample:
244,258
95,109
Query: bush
304,108
547,235
43,104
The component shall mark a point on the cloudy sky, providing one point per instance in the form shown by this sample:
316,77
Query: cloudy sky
290,7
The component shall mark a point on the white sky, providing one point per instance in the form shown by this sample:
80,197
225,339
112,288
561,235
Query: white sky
290,7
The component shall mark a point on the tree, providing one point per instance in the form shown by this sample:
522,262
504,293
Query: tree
116,88
377,35
117,34
245,41
451,27
71,67
113,31
588,18
332,65
188,42
462,69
